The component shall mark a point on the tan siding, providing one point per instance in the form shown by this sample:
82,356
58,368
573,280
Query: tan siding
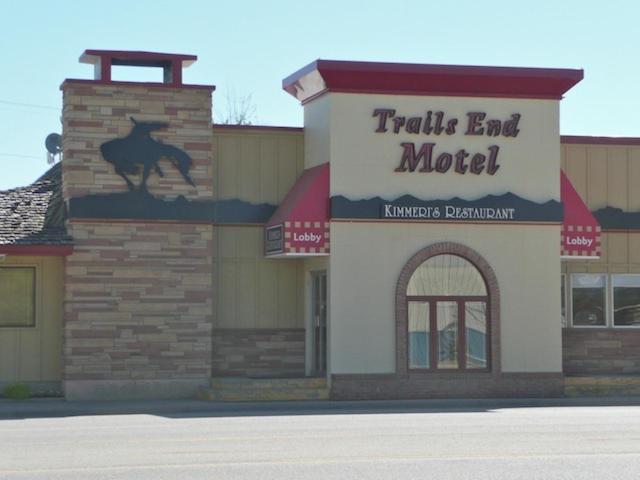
576,168
252,291
269,170
607,175
617,186
634,178
35,354
617,248
268,295
604,174
257,165
597,174
634,249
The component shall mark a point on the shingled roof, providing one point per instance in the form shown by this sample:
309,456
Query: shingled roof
34,215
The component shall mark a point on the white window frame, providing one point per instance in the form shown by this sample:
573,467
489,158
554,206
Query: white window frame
607,301
612,306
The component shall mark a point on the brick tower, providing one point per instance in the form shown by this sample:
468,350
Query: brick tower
137,165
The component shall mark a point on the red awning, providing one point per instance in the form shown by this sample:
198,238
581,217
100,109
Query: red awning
580,230
300,225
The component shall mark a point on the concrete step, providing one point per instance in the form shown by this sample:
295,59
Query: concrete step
233,389
602,386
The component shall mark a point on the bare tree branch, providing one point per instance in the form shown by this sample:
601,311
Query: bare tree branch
239,109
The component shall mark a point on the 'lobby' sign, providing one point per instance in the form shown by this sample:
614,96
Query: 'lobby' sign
428,158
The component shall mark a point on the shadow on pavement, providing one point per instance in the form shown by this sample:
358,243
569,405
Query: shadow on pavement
176,409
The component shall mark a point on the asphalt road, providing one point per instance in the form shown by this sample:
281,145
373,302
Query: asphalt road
547,442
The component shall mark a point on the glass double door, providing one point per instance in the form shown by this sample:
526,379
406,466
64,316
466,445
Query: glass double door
447,333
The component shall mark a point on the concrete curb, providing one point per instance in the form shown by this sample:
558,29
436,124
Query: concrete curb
39,408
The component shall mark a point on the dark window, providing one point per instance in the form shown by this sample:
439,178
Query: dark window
588,302
626,300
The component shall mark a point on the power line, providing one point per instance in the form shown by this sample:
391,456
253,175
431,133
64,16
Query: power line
29,105
20,155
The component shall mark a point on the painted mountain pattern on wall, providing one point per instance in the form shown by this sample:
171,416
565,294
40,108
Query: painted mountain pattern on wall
611,218
508,207
143,206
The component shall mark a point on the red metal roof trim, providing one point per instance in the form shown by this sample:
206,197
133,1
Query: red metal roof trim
37,250
418,79
587,140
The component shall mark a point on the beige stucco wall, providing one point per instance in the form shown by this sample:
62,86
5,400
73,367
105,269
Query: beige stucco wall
367,257
366,260
317,141
34,354
362,161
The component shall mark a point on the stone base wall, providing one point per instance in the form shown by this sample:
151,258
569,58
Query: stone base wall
138,303
258,352
132,389
600,351
381,387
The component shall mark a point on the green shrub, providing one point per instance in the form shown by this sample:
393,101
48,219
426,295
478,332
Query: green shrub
17,391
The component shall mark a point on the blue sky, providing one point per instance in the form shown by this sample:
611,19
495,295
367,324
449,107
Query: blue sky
248,47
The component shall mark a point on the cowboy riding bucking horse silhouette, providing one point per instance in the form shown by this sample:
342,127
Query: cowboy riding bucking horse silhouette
140,150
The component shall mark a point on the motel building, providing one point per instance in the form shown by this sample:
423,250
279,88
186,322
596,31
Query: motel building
428,233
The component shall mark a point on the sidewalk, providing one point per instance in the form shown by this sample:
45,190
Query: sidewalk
38,408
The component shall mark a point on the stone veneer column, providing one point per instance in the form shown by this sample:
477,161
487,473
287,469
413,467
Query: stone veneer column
138,305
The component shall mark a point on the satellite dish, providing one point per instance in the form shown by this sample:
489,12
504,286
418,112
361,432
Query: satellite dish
53,142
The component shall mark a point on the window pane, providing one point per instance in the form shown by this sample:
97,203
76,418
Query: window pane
446,275
418,334
626,300
588,299
17,297
475,318
447,319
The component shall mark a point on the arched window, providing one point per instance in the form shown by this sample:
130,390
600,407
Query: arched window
447,316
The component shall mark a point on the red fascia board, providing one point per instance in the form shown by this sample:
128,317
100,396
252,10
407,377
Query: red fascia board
37,250
91,56
136,84
402,78
587,140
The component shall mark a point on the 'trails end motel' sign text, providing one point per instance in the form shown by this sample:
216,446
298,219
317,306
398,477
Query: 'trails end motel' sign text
437,123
